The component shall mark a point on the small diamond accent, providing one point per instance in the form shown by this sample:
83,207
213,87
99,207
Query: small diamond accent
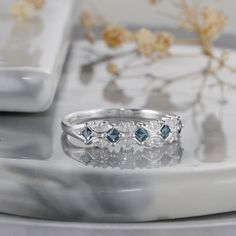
99,126
165,131
87,134
127,144
141,134
156,141
153,125
113,135
101,143
127,127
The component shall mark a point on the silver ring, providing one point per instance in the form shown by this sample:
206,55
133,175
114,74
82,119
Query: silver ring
123,127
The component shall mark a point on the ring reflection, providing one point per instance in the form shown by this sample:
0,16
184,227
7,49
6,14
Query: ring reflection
156,157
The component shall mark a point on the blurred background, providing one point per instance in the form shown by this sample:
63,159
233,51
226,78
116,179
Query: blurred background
138,12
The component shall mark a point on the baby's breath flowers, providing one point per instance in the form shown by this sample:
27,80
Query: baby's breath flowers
206,22
212,26
164,41
145,41
112,68
88,20
23,9
115,35
38,4
153,44
148,43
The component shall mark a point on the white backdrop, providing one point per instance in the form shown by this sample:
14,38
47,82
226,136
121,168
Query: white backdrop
140,12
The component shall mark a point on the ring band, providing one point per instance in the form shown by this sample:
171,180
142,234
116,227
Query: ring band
126,127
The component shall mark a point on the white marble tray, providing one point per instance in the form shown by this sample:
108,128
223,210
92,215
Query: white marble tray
32,54
39,180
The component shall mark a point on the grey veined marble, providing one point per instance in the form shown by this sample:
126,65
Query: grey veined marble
42,177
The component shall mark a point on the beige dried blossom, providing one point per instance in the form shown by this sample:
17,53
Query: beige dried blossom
207,22
21,10
146,42
38,4
164,41
112,69
115,35
88,20
213,23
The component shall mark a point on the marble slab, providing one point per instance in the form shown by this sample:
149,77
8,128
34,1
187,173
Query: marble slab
32,55
40,180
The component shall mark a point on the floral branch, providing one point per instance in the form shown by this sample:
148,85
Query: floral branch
206,22
24,9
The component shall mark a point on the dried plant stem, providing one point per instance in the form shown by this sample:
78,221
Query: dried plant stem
205,22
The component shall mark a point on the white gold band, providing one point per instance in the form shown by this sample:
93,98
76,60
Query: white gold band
126,127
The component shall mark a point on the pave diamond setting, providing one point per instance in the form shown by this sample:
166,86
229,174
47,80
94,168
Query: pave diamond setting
100,126
127,133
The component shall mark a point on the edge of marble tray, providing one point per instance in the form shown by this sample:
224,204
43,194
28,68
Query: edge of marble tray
213,224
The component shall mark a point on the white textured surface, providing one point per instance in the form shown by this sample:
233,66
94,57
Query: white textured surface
39,180
112,194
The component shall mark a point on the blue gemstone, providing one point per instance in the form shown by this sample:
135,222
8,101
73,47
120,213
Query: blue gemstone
113,135
141,134
87,134
165,131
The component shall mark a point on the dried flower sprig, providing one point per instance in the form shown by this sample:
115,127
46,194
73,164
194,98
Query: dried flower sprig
23,9
90,22
206,22
38,4
112,68
148,43
115,35
151,44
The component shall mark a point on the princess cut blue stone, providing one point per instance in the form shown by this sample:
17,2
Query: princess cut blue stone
87,134
113,135
165,131
141,134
